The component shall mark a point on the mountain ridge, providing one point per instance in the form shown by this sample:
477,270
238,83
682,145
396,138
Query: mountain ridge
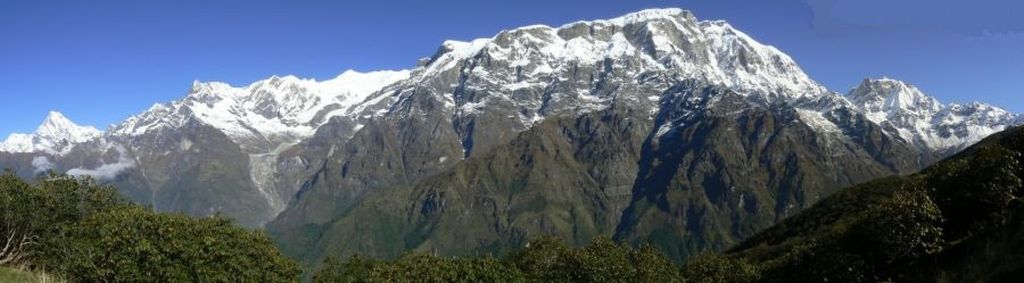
923,120
55,135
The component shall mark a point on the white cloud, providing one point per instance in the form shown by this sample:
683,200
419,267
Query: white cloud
105,171
41,163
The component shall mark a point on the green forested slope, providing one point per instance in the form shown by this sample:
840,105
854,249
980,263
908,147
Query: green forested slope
82,232
958,221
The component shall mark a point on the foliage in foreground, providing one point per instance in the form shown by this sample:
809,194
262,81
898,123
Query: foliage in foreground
959,221
84,232
542,260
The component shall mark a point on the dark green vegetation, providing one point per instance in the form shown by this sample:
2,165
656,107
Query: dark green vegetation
83,232
545,259
960,220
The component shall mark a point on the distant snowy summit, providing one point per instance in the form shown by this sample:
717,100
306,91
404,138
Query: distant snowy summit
56,135
904,110
278,109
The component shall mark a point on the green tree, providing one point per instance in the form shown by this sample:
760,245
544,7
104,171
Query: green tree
717,268
35,217
546,259
86,232
654,266
355,269
417,268
975,192
906,226
134,244
18,222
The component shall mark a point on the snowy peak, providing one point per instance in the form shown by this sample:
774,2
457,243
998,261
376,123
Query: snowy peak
56,135
650,15
884,99
17,142
58,126
278,109
670,40
659,46
922,120
352,87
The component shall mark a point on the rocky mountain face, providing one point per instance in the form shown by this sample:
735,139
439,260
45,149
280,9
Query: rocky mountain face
904,111
651,127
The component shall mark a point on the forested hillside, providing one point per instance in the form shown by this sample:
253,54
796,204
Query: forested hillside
82,232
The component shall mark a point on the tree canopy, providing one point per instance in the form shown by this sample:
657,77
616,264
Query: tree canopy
85,232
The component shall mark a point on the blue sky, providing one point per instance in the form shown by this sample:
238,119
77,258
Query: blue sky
102,61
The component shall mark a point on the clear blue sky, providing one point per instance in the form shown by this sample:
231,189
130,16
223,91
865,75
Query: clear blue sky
102,61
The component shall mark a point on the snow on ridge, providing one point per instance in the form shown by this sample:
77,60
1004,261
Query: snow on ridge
18,142
777,70
818,121
285,106
56,135
923,120
636,17
671,42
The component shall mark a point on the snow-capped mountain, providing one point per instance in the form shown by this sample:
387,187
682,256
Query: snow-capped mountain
660,46
56,135
266,113
656,46
233,133
552,130
905,111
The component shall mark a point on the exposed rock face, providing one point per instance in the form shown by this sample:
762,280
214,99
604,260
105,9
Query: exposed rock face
904,111
728,167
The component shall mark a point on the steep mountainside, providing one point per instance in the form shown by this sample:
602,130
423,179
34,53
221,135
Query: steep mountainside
731,168
650,127
957,221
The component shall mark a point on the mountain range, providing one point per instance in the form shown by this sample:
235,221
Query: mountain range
653,127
